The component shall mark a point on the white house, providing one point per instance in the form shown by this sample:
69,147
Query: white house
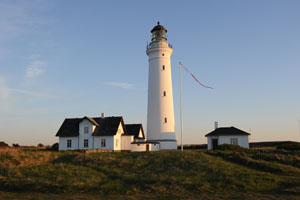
105,133
227,135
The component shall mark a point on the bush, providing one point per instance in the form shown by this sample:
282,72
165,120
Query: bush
230,147
15,145
54,147
3,144
292,146
40,145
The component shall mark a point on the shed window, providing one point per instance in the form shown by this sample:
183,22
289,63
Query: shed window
86,129
103,143
69,143
86,143
234,141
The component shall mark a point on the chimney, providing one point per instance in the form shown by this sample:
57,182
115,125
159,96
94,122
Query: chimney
216,125
103,115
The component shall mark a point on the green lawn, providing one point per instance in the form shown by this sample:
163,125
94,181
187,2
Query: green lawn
227,174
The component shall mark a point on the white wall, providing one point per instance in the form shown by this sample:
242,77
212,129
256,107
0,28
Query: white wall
63,143
164,145
120,132
154,147
126,142
108,139
138,147
143,147
242,140
88,136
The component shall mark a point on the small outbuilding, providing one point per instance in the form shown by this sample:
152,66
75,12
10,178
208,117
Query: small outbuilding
227,135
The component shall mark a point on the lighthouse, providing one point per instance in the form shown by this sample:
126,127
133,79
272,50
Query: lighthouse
160,115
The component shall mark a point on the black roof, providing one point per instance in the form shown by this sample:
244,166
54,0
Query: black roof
158,27
144,142
107,126
227,131
134,129
69,128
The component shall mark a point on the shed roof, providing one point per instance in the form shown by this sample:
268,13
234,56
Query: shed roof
134,129
227,131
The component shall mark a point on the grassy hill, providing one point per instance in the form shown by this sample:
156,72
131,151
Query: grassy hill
223,174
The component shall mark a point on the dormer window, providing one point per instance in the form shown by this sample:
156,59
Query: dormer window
86,129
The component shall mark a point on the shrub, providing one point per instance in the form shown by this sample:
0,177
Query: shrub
3,144
15,145
230,147
54,147
292,146
40,145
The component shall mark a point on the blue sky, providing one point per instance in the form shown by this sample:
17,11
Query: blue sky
62,59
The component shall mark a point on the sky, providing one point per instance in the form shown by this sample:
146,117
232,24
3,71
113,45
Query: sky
75,58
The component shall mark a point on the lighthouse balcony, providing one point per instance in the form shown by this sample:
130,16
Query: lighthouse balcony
159,45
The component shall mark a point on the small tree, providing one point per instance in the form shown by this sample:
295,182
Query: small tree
3,144
54,147
16,145
40,145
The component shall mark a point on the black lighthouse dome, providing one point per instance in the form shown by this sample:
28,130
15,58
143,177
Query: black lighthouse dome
159,27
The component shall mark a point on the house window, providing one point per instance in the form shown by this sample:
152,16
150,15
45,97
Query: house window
69,143
165,93
86,143
163,67
234,141
117,142
86,129
103,143
166,120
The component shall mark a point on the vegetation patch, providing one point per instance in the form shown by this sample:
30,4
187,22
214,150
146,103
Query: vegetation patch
228,173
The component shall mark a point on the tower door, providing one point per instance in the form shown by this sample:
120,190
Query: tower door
214,143
147,147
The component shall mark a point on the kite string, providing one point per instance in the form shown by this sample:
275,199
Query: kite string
186,69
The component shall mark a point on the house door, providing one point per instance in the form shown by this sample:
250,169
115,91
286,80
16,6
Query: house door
214,143
147,147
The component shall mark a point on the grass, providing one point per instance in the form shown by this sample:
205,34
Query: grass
222,174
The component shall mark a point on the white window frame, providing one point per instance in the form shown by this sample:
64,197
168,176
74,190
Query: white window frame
86,143
69,143
234,141
86,129
103,142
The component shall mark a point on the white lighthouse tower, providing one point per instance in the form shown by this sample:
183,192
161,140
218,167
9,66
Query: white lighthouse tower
160,116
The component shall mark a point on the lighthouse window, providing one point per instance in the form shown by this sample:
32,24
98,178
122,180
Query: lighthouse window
165,93
163,67
166,120
163,54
